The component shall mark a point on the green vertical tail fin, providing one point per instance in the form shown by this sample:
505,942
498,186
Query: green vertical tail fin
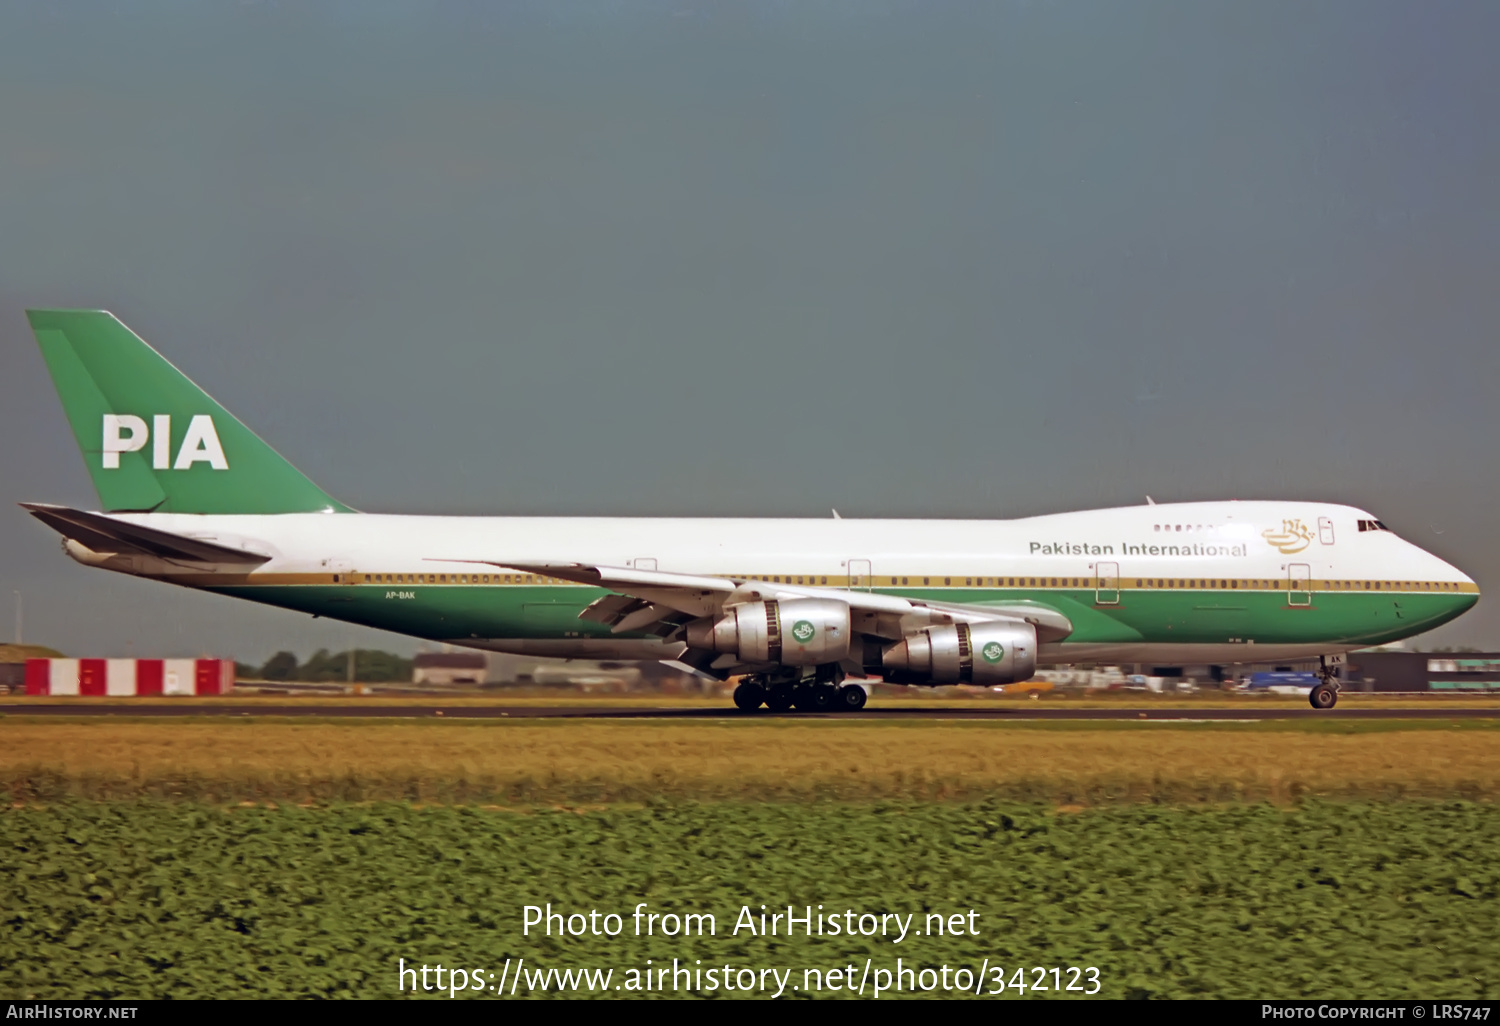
153,440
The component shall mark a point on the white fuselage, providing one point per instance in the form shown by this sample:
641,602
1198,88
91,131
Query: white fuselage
1192,548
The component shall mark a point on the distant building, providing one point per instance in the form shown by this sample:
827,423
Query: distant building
449,668
13,664
12,677
499,669
1423,671
589,674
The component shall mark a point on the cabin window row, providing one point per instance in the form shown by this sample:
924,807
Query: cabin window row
460,579
1286,584
1269,584
788,579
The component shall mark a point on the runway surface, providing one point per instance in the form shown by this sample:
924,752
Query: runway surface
487,712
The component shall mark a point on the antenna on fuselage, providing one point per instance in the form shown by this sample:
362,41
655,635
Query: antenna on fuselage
1150,501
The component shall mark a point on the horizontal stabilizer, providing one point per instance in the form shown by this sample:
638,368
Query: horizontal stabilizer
105,534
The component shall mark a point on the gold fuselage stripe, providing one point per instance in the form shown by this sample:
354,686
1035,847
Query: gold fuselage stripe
927,581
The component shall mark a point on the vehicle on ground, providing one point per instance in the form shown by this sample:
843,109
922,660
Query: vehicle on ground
1034,688
1280,682
190,496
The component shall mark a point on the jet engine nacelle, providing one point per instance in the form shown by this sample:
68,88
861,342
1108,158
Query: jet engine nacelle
962,653
797,632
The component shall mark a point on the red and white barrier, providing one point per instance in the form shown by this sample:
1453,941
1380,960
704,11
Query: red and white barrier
129,676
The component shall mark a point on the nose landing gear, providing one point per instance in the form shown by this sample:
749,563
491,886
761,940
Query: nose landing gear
1325,694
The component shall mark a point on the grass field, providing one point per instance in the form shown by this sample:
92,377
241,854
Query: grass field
257,857
554,761
140,900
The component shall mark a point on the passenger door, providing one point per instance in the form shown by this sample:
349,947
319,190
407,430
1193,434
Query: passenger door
1298,584
1107,583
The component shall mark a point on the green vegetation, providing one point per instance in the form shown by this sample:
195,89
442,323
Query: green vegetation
140,900
258,857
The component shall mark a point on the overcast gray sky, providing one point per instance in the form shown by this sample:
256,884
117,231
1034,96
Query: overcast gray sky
907,259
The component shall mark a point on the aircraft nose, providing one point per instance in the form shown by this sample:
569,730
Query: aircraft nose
1466,583
1446,571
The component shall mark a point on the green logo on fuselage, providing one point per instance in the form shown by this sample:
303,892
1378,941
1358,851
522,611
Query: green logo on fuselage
993,652
803,631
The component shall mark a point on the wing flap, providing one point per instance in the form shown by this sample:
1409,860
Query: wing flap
610,609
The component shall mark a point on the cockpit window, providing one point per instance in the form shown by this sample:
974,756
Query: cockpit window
1372,525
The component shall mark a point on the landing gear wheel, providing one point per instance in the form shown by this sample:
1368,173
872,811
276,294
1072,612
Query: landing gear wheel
749,695
815,698
851,698
1323,697
780,697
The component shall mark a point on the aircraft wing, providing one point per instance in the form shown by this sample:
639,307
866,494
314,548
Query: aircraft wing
658,602
104,534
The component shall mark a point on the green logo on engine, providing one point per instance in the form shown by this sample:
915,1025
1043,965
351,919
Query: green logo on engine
993,652
803,631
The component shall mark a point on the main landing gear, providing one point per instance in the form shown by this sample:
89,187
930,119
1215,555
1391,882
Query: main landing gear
1325,694
822,692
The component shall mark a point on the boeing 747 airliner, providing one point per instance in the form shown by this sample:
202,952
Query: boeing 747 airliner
191,496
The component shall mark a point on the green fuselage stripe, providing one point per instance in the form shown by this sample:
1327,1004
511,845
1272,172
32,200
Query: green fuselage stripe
1144,615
